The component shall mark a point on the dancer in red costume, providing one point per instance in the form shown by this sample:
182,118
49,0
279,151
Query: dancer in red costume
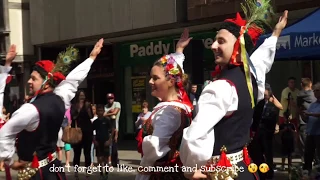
218,135
161,134
5,78
38,121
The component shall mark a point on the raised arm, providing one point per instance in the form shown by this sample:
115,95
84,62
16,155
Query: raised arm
26,117
198,139
263,57
68,88
4,70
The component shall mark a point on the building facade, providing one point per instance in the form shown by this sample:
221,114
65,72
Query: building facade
15,29
136,32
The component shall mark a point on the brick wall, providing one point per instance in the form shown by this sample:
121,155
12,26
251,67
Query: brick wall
199,9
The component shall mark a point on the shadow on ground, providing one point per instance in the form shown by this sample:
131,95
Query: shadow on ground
127,145
131,161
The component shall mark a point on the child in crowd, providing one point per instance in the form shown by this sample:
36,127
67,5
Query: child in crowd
288,132
104,132
94,111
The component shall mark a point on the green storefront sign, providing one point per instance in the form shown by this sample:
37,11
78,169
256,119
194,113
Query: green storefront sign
147,51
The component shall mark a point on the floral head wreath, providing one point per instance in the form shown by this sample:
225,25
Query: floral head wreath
174,69
171,68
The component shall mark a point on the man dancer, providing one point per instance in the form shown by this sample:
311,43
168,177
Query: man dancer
4,79
52,93
226,105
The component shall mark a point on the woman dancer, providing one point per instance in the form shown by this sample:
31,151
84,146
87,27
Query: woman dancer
164,127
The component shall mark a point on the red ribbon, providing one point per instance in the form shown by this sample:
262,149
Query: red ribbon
184,98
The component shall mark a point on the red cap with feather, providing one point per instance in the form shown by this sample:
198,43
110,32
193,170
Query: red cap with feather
47,67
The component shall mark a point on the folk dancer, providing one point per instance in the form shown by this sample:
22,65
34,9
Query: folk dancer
215,143
159,139
38,121
5,78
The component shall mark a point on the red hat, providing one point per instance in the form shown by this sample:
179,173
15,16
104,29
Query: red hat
247,32
254,32
46,68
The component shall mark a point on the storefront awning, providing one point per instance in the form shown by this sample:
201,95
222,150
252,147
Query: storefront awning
301,40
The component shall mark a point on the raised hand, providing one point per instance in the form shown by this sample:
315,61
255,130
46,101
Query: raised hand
283,20
183,41
11,54
97,49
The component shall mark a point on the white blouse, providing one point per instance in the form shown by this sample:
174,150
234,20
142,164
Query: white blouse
165,121
4,70
217,100
27,117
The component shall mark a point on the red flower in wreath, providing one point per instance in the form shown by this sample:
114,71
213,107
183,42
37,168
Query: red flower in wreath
169,66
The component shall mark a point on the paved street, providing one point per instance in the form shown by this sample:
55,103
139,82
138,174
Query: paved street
129,157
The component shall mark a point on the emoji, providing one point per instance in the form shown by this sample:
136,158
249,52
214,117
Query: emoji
264,168
252,168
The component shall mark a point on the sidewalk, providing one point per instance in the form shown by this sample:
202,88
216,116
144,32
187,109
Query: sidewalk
128,157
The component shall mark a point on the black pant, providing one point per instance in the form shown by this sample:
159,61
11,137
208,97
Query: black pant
52,171
261,151
312,145
114,154
302,138
246,175
86,145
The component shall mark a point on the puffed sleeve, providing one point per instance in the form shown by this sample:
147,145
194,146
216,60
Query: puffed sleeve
26,117
68,88
217,100
262,59
165,122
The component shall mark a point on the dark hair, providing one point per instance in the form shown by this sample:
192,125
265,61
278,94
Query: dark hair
268,88
235,30
145,104
43,75
292,78
184,77
100,106
76,97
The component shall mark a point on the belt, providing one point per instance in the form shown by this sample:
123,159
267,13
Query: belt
234,158
28,171
46,161
231,173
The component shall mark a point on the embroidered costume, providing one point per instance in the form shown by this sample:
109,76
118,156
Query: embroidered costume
217,137
38,122
5,78
160,137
